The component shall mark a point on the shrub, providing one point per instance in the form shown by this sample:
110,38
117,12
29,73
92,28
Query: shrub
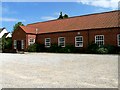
7,43
54,48
32,48
40,47
102,50
67,49
92,48
58,49
111,49
118,50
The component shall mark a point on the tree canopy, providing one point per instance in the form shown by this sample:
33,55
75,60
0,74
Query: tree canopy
62,17
17,24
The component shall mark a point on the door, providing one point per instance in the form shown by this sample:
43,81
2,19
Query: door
19,45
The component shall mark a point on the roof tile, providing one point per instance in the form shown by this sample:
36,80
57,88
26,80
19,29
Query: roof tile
92,21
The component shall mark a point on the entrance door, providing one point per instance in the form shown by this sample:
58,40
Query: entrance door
19,45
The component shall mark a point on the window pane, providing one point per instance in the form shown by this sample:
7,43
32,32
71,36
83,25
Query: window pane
61,39
61,42
31,41
15,44
79,41
22,44
47,42
118,39
99,40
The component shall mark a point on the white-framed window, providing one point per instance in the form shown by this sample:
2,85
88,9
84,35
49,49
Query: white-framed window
47,42
61,41
79,41
118,39
99,40
22,44
15,44
31,41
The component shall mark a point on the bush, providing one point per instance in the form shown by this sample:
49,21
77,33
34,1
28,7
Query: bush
9,51
118,50
111,49
7,43
32,48
67,49
36,48
40,47
54,48
58,49
102,50
92,48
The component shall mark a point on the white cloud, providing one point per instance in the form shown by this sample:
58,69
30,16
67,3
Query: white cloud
11,20
48,18
112,4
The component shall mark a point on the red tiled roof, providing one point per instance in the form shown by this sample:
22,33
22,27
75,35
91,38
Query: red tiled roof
91,21
27,29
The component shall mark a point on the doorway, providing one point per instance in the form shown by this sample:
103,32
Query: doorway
19,45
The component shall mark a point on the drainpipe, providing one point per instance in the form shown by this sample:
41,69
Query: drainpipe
36,34
88,38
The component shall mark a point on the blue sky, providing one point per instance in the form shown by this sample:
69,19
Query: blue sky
31,12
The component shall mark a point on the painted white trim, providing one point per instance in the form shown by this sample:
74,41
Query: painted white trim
118,40
48,42
9,35
78,41
3,32
59,41
15,44
100,40
22,44
30,43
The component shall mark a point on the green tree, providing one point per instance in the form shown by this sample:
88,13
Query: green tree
7,43
62,17
17,24
65,16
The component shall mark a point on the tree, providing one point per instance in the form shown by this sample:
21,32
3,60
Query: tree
65,16
62,17
17,24
6,43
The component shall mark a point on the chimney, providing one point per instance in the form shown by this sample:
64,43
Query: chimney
36,30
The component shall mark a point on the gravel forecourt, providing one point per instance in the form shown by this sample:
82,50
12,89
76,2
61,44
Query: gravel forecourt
50,70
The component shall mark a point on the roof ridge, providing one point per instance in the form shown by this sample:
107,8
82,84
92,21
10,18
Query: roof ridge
75,17
29,26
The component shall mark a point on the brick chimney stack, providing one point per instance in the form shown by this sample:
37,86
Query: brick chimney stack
36,30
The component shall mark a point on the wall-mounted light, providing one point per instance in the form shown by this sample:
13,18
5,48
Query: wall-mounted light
78,33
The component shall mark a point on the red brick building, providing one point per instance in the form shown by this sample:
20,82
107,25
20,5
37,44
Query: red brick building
101,28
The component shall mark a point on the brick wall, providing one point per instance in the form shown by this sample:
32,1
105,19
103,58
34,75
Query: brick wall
19,34
28,36
69,37
110,36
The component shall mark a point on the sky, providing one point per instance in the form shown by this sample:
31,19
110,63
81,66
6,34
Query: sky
31,12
